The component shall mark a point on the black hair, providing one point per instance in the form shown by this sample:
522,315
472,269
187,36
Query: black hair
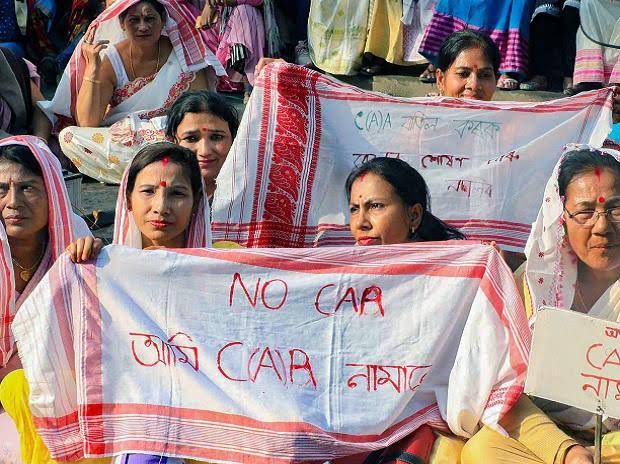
21,155
581,161
158,7
201,101
409,185
458,41
175,154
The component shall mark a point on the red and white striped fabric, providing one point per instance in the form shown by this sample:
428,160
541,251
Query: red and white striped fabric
126,231
63,227
284,356
486,163
7,298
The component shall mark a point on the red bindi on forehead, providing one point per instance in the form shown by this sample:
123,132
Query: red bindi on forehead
601,199
163,183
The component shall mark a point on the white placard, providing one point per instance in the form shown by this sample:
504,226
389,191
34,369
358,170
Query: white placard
575,360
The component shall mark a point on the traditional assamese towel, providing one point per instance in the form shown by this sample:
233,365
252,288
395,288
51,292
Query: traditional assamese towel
63,227
279,356
486,163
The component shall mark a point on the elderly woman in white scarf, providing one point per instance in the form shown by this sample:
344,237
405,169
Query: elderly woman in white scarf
573,261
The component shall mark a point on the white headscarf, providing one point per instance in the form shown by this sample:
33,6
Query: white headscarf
63,226
551,267
126,231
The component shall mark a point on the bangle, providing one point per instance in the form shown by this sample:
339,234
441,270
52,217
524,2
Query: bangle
94,81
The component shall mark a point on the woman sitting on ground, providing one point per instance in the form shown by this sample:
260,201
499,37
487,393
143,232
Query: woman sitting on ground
573,261
207,124
389,203
507,21
152,54
161,204
36,214
200,120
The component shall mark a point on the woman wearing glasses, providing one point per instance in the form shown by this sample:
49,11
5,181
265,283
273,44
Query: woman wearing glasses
573,261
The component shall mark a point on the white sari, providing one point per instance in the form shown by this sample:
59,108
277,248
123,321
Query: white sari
103,152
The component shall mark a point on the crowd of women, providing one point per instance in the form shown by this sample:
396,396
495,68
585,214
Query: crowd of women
155,82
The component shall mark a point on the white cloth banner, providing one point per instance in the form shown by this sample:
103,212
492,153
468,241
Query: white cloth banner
270,355
486,163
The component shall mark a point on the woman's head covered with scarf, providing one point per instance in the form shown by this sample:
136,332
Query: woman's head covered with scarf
63,226
152,202
570,233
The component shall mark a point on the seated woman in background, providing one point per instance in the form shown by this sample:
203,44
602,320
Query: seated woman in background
207,124
19,94
200,120
36,214
152,55
573,261
236,32
506,21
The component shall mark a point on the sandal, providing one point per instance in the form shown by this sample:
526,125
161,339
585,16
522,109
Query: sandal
537,83
225,85
581,87
371,70
428,76
570,91
507,83
372,65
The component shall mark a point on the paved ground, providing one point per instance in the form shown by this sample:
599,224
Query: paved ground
102,197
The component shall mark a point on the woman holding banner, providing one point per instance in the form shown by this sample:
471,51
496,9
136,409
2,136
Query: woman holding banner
573,261
389,203
160,205
38,224
507,22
